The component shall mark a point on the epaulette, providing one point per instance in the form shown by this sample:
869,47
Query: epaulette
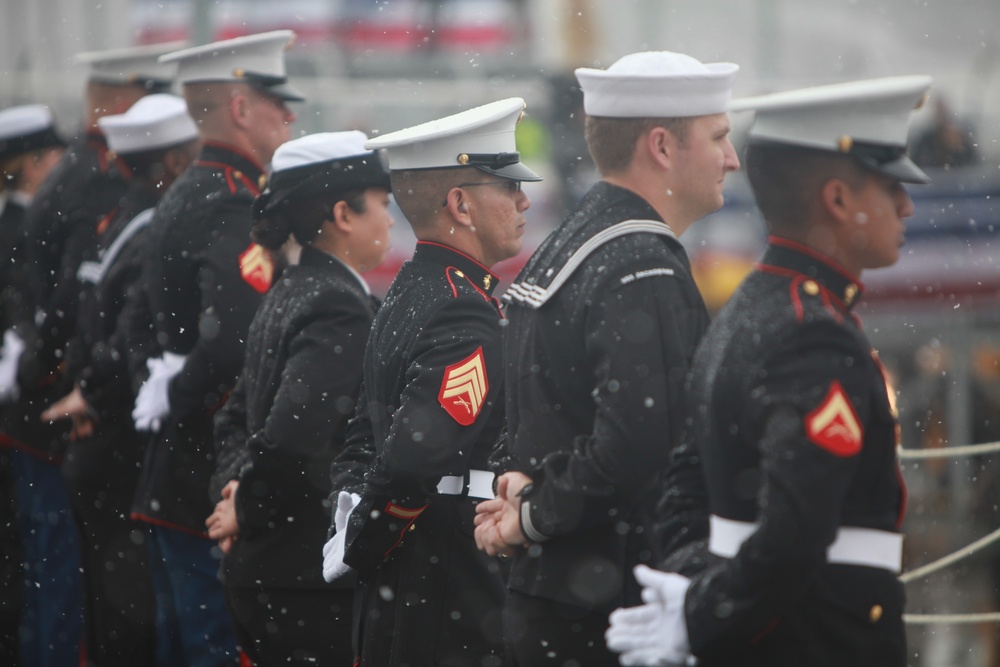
536,295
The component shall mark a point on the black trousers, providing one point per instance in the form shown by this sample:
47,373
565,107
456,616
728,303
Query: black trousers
119,612
293,626
546,633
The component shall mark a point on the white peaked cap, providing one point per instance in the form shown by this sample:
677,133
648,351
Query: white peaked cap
155,121
258,60
482,137
657,84
321,163
137,65
319,148
867,119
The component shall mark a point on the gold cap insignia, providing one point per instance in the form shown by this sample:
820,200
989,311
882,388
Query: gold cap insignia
463,159
131,77
850,292
810,287
239,72
487,279
844,143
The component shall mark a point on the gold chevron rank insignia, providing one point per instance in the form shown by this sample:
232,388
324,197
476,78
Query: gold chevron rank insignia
834,425
256,267
464,388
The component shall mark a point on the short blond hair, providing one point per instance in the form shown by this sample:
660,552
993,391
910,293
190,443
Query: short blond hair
612,140
421,193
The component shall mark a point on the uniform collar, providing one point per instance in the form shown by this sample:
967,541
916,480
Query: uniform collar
311,256
438,253
816,267
221,153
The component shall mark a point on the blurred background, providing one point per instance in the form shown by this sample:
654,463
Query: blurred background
379,65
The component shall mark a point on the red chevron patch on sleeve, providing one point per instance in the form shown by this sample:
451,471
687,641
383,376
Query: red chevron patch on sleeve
834,425
464,387
256,267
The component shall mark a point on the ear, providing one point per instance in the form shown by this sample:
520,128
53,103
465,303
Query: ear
239,109
177,161
342,217
460,206
659,144
836,198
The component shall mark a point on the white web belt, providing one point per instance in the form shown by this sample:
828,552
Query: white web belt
853,546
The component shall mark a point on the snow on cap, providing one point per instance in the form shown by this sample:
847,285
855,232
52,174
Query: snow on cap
258,60
27,128
866,119
482,137
657,84
138,65
155,121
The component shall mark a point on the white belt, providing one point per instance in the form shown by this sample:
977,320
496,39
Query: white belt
853,546
480,484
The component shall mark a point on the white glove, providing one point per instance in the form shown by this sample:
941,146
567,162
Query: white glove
10,354
152,403
656,632
333,551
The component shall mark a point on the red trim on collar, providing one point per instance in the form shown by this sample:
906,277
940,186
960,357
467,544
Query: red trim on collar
459,252
234,149
815,254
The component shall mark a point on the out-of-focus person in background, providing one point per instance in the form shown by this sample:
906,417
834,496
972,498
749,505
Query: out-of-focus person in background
30,147
157,140
947,143
431,403
286,419
203,279
80,195
793,417
604,320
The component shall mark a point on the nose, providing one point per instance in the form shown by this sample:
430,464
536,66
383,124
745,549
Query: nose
523,203
290,116
904,206
732,160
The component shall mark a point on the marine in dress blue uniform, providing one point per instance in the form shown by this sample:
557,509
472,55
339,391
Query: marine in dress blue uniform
793,417
203,280
431,404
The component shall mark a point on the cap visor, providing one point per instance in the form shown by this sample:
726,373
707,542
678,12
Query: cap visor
903,170
285,91
515,172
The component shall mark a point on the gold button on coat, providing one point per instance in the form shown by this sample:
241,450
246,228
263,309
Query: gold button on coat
875,613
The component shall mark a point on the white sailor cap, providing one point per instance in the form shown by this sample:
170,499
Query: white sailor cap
321,163
657,84
865,119
27,128
258,60
482,137
155,121
137,65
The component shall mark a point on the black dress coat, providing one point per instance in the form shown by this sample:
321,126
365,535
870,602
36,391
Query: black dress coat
594,384
203,281
431,405
796,432
286,420
78,198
